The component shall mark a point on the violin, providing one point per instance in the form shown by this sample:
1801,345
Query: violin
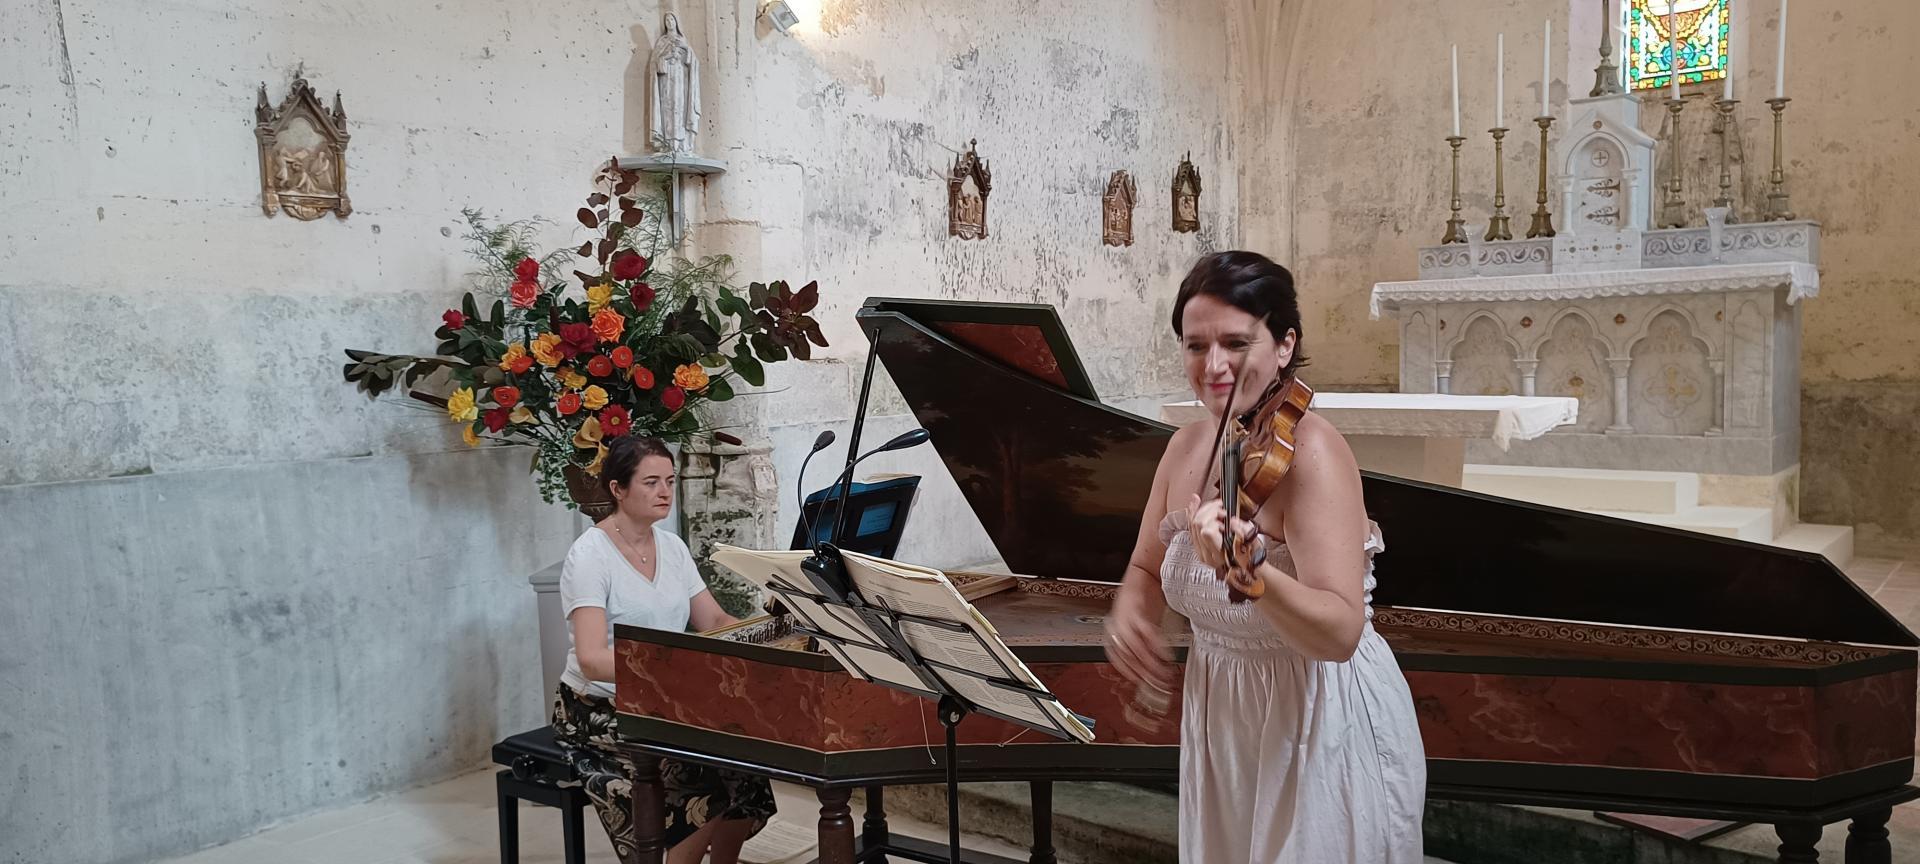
1256,449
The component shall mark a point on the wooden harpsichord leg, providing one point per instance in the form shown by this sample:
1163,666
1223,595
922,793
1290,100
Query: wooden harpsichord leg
1797,841
1042,800
873,832
836,827
649,809
1867,838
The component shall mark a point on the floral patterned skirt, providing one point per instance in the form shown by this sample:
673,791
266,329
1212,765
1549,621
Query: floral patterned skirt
695,794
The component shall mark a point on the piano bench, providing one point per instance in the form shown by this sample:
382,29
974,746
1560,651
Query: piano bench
537,768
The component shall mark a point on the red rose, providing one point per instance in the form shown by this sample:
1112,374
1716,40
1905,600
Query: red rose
615,421
673,398
643,377
629,265
622,357
599,366
524,293
506,396
454,319
579,337
527,270
521,364
496,419
568,403
642,297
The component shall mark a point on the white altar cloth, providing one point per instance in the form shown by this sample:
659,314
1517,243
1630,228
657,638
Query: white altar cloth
1422,436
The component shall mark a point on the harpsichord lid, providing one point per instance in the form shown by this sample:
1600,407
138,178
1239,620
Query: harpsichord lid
1058,480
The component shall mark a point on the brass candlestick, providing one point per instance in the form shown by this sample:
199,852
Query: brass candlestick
1674,212
1456,227
1542,220
1777,209
1497,226
1725,106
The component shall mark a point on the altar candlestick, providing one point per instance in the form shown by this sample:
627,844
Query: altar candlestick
1500,80
1456,91
1546,66
1780,57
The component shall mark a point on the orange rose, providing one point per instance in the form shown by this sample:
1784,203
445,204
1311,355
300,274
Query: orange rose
608,325
516,359
506,396
599,366
622,357
690,377
567,404
643,377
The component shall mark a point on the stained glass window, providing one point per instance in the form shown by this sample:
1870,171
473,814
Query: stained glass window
1703,28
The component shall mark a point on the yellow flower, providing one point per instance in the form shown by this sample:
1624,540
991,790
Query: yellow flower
467,435
571,378
589,434
461,407
599,459
598,296
521,415
593,398
546,349
690,377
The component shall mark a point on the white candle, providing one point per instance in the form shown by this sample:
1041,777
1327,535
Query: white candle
1727,60
1780,57
1546,66
1673,47
1456,91
1500,81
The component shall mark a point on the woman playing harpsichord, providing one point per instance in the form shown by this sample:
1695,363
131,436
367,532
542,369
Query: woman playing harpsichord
1298,741
628,570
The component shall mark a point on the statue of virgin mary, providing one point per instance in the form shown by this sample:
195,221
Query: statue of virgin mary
676,91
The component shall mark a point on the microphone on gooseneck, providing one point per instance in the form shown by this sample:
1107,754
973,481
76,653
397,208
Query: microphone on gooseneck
820,443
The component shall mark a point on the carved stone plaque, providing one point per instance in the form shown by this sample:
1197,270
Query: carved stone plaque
967,188
303,154
1186,197
1116,210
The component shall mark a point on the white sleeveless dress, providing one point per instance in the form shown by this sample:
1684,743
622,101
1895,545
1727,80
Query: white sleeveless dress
1282,758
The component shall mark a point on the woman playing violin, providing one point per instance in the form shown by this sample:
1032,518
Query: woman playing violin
1298,741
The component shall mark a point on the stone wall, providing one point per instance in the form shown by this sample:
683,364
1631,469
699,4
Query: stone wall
236,591
838,138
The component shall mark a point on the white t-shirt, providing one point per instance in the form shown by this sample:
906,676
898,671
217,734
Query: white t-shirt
596,574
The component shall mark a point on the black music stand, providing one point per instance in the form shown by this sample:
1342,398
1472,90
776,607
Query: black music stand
877,626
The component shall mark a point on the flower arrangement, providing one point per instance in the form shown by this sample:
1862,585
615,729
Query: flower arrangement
630,345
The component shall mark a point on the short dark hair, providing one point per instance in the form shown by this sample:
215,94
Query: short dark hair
1254,284
623,458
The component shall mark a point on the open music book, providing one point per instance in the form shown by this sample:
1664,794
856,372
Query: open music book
960,645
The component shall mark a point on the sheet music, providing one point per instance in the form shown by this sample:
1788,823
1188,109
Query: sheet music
927,592
909,589
865,658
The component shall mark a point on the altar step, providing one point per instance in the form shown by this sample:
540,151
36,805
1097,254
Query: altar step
1668,498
